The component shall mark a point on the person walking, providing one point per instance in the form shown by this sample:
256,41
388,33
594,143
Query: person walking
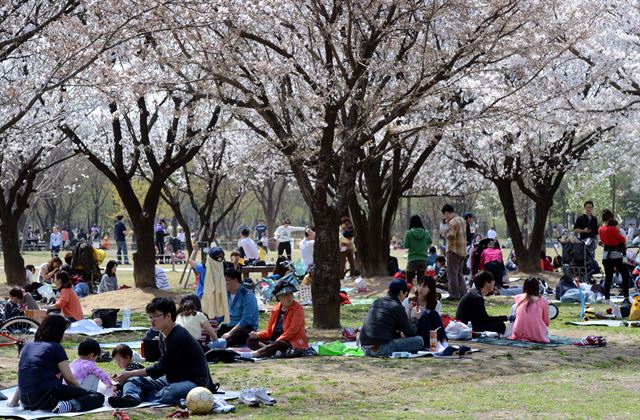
121,240
456,236
417,241
55,241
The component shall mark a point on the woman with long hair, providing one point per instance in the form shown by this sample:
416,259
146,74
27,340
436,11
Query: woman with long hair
43,363
615,248
109,281
429,313
190,316
532,314
416,241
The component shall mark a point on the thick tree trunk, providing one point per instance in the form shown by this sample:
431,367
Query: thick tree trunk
144,264
371,237
13,261
326,285
528,254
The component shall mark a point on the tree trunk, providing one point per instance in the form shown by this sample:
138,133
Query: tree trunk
144,263
372,237
325,285
13,261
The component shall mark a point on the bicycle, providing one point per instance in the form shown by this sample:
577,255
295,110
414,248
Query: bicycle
17,331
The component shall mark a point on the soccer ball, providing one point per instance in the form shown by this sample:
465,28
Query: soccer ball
199,400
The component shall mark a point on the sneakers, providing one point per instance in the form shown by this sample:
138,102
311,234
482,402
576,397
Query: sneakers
220,406
592,341
123,402
262,396
248,397
256,396
63,407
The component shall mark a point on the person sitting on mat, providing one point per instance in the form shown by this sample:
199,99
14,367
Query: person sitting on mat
42,362
243,311
428,316
181,367
386,319
68,302
532,314
190,316
471,307
86,370
285,329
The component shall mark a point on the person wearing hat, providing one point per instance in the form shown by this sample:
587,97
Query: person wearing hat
285,328
387,321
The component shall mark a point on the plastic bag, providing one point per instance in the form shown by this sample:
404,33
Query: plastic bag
634,315
46,291
457,330
336,348
361,284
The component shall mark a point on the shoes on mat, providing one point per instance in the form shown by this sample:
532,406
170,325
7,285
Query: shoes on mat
220,406
248,397
591,341
262,396
123,402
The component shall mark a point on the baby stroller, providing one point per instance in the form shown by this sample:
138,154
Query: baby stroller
85,265
574,257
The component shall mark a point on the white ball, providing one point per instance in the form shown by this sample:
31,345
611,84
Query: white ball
199,400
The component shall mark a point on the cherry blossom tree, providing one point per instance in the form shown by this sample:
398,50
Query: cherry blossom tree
321,80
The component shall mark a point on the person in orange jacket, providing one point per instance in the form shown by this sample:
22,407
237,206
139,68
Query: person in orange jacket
285,329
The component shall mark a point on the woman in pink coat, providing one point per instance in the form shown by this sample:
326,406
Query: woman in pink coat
532,314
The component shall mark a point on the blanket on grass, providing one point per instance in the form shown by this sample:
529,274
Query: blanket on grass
20,413
556,341
599,323
107,346
87,327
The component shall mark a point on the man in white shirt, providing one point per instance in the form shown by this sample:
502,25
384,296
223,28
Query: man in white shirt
247,246
306,247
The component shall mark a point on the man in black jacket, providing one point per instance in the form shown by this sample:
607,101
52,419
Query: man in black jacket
387,318
181,367
471,306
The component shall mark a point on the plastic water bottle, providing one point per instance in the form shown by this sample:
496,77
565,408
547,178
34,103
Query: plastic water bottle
126,318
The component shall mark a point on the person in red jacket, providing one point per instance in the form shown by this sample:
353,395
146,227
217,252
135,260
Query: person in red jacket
285,329
615,247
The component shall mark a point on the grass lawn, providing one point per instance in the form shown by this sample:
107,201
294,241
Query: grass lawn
497,382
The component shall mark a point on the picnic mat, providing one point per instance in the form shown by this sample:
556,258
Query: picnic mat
87,327
556,341
599,323
19,412
105,346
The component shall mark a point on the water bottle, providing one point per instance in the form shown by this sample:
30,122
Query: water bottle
126,318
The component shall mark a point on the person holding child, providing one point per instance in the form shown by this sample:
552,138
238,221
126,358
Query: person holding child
615,247
181,367
85,369
42,363
18,302
386,319
532,314
285,329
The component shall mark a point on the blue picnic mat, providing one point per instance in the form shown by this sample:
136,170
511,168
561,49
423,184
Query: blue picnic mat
556,341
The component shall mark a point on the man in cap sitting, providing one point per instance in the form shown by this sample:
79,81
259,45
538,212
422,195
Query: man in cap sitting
386,320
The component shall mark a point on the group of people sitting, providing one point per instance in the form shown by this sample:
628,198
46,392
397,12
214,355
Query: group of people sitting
398,323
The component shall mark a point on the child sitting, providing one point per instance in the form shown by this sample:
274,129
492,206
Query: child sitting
123,356
86,371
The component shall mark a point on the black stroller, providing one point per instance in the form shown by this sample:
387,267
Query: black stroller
574,257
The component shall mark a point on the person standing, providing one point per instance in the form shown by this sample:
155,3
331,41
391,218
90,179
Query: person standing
283,235
261,229
121,240
55,242
468,218
306,247
64,233
417,241
248,247
586,226
160,233
455,234
615,247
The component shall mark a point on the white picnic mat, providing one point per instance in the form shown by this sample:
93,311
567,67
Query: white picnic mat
19,412
87,327
601,322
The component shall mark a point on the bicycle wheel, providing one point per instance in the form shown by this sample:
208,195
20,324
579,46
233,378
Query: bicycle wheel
20,327
553,311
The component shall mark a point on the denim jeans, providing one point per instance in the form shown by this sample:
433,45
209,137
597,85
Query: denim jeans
122,250
409,344
157,390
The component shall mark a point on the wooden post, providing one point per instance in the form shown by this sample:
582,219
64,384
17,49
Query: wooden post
193,255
